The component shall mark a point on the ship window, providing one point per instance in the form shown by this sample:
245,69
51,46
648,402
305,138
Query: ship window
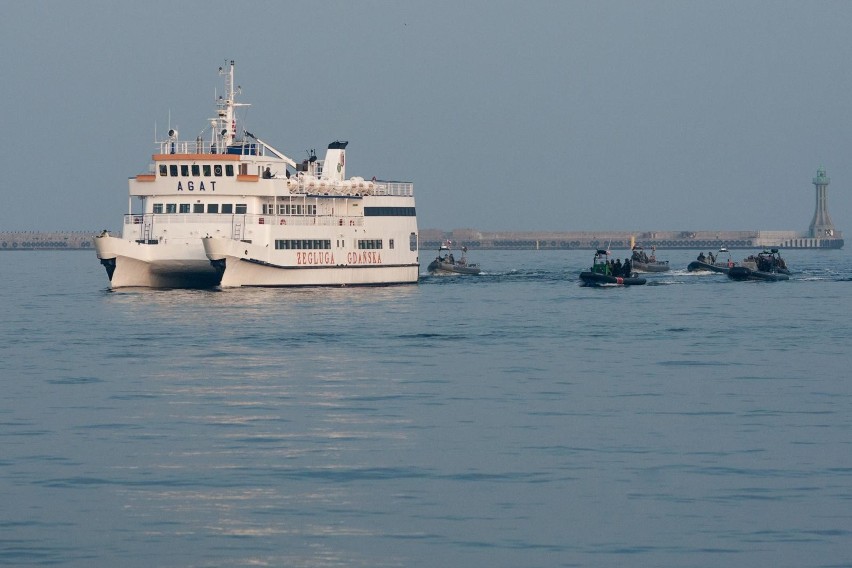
412,241
227,208
241,208
196,171
158,208
164,171
217,170
369,244
389,211
184,207
302,244
198,208
206,169
184,170
229,170
390,243
212,207
173,170
296,209
171,208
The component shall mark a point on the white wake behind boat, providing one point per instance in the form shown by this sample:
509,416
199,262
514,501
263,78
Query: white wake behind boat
229,209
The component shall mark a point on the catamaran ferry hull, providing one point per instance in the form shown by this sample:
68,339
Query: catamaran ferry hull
240,266
131,264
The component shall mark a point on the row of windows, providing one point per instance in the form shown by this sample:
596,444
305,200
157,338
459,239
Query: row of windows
309,244
290,209
302,244
371,244
196,169
389,212
227,208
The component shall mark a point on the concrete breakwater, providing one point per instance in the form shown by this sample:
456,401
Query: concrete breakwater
693,240
46,240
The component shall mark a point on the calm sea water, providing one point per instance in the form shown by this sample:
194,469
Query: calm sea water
513,419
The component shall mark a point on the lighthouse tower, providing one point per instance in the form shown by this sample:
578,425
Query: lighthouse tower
821,226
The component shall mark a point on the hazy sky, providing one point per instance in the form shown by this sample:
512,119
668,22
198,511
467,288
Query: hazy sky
623,115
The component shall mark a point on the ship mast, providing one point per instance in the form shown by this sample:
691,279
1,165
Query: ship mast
225,123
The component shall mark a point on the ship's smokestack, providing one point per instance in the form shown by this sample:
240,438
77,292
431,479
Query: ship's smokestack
334,166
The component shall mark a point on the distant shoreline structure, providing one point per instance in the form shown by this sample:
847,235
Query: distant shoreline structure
590,240
511,240
821,234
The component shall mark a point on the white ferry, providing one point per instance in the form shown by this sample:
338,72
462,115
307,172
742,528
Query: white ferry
227,209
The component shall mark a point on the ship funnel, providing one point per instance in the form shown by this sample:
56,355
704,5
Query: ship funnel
334,166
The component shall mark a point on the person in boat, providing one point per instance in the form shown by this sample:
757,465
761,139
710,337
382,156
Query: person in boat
711,257
701,257
452,260
616,268
636,255
627,268
267,173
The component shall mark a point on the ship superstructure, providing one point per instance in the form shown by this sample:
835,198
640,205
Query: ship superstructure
229,209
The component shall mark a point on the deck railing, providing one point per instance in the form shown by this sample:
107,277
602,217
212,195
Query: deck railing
202,147
314,186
